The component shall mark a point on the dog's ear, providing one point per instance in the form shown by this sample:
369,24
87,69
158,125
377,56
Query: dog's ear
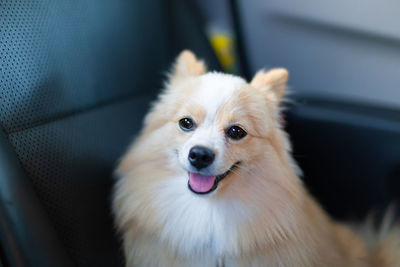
187,64
272,83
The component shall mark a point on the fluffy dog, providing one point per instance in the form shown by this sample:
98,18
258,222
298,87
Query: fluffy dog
211,181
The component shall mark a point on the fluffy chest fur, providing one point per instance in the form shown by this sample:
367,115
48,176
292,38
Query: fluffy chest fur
190,225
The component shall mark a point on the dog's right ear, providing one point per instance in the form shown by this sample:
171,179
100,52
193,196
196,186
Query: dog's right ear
187,64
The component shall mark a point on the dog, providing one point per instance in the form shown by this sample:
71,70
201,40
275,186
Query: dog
210,181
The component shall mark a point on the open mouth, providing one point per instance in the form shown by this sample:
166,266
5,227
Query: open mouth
204,184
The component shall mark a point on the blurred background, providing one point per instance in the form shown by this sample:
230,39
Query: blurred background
343,49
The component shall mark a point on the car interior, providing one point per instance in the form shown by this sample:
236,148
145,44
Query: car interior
77,77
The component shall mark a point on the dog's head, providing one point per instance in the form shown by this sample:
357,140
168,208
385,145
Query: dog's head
218,126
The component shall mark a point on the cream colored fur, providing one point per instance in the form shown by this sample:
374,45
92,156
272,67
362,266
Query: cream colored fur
260,214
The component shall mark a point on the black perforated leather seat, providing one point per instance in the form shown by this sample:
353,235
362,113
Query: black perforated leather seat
76,78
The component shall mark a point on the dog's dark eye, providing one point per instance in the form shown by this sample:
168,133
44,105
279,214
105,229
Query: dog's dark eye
236,133
186,124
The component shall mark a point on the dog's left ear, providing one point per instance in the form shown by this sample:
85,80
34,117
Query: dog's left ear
272,83
187,64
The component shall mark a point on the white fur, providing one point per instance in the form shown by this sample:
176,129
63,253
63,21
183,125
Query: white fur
215,89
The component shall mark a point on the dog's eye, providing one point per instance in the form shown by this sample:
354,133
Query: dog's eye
186,124
236,133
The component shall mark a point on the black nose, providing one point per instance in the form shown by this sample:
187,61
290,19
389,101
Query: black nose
201,157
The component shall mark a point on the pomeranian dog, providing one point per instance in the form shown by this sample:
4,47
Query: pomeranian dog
211,181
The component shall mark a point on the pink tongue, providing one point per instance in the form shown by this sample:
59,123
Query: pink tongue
201,183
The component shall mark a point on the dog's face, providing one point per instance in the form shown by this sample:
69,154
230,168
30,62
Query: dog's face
219,125
211,129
